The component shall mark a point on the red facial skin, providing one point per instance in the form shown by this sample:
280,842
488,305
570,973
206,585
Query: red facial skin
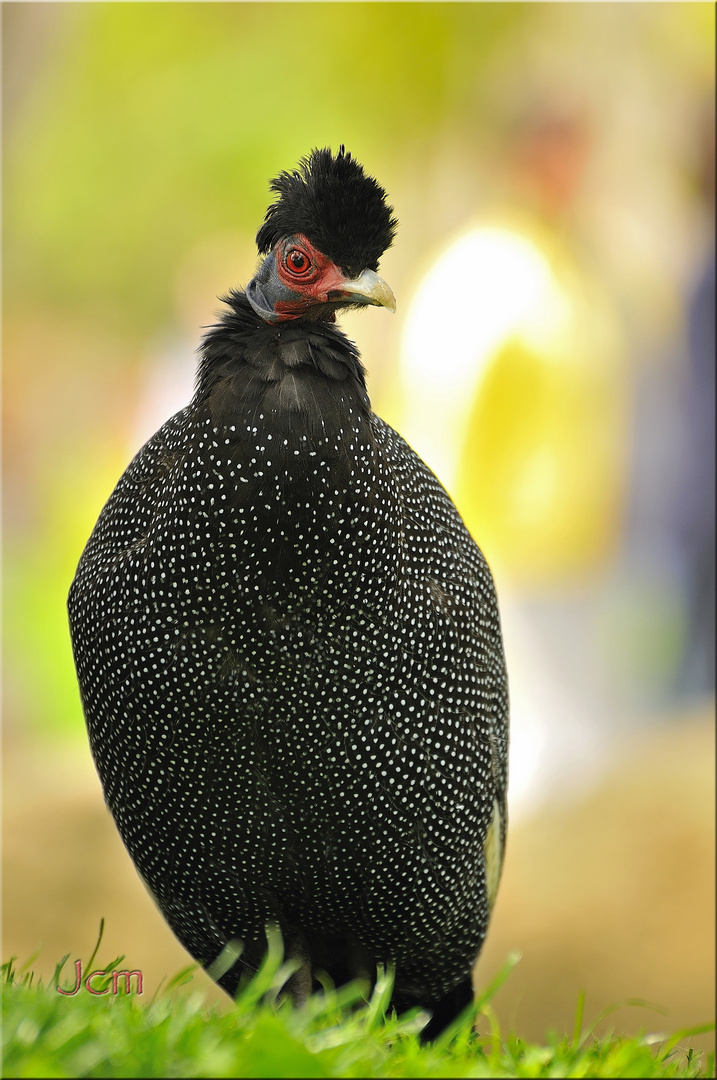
303,269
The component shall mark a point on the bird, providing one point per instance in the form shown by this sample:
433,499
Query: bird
288,646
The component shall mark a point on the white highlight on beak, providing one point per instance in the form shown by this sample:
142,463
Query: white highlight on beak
369,288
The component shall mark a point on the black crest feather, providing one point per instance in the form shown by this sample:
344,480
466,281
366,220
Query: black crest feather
333,202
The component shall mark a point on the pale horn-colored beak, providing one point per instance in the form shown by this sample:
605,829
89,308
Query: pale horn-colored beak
367,288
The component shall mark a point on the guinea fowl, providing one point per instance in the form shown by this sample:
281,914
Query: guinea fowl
288,645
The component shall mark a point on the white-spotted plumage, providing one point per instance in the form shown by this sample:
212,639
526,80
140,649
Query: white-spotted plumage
290,660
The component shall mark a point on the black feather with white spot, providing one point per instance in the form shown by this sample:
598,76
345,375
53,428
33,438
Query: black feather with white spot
290,661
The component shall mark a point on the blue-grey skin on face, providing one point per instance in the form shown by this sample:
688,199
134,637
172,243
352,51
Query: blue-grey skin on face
298,281
288,645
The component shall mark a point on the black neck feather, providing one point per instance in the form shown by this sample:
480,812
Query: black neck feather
300,382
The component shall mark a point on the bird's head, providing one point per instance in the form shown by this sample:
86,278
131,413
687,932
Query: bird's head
322,237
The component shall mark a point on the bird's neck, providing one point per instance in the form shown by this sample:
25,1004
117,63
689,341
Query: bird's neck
301,385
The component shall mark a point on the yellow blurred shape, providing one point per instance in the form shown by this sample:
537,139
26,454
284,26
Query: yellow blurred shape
514,392
484,285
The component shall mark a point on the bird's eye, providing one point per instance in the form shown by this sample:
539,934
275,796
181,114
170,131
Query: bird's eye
297,261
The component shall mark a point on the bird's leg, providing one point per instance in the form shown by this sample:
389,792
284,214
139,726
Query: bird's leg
448,1009
298,986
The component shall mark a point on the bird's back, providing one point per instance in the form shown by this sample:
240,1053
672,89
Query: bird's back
295,690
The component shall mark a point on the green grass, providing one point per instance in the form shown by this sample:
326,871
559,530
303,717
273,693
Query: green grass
336,1034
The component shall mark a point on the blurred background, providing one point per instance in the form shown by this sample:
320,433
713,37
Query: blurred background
552,168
